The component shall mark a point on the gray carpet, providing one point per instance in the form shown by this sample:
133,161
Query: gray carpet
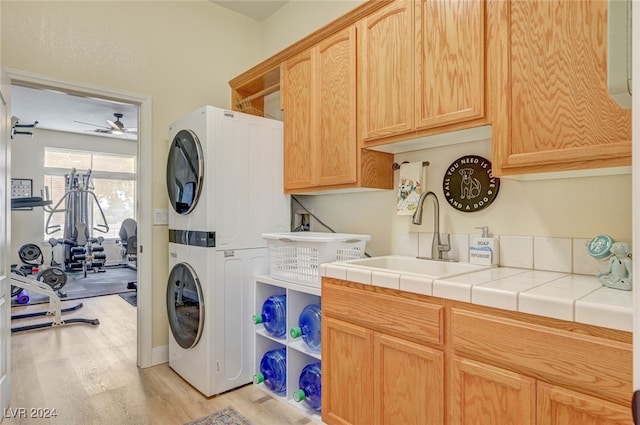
113,281
130,297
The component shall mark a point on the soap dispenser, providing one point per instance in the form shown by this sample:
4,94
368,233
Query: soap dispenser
484,250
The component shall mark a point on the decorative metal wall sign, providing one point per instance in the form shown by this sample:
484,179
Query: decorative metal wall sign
469,184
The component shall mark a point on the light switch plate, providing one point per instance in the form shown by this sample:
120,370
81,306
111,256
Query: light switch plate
160,217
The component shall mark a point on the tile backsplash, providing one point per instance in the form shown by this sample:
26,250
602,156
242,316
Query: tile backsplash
565,255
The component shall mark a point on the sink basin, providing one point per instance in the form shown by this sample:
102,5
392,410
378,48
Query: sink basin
409,265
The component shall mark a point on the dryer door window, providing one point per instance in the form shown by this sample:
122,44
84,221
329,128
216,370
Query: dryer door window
185,168
185,305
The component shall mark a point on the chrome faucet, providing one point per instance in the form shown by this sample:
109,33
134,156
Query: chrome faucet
437,247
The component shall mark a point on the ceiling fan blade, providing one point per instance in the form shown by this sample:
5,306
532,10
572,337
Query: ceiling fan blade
117,125
92,125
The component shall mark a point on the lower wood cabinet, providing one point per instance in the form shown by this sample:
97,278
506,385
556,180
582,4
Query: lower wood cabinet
484,394
560,406
347,373
392,357
408,382
373,378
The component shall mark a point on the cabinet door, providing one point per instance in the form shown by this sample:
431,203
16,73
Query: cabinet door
409,383
347,373
554,111
385,71
559,406
450,62
483,394
299,116
336,107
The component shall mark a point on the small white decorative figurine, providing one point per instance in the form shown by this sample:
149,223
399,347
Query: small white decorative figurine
619,274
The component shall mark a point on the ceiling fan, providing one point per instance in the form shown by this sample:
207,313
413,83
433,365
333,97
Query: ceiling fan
114,127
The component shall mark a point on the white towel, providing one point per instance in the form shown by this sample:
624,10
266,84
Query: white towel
409,188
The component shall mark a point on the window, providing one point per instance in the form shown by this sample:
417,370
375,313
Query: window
112,180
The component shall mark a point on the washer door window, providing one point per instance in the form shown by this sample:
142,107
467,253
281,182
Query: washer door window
185,305
185,168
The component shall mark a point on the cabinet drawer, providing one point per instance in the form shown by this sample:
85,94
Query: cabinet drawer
582,362
385,310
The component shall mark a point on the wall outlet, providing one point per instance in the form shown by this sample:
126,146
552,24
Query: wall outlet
301,221
160,217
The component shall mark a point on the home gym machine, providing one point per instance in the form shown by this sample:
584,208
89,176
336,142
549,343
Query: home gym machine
33,264
82,251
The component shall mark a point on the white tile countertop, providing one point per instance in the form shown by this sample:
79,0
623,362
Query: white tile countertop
571,297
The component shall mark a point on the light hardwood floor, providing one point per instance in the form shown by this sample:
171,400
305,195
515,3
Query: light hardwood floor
88,374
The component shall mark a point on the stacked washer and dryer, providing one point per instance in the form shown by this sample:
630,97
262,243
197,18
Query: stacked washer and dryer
225,186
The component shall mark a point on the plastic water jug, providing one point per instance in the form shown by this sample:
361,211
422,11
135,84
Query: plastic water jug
273,371
274,315
309,327
310,386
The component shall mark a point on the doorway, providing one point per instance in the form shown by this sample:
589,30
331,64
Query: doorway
143,183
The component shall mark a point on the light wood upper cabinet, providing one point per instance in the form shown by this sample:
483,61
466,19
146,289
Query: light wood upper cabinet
336,107
385,69
422,68
450,62
552,109
298,94
318,96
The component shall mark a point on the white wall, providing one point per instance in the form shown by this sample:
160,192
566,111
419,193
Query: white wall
180,53
27,160
575,207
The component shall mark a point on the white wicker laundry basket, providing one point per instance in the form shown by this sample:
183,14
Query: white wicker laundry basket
296,256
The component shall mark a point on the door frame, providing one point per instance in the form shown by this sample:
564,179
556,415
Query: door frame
144,213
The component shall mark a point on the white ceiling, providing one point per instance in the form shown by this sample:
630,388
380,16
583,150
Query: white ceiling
59,111
256,9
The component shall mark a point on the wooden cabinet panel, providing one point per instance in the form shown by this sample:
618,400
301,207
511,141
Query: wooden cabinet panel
321,150
300,141
420,321
450,62
559,406
422,69
336,97
483,394
553,110
410,386
385,70
565,358
347,373
319,100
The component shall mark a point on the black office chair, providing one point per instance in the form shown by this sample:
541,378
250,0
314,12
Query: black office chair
129,241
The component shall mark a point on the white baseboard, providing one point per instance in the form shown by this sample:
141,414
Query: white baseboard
159,355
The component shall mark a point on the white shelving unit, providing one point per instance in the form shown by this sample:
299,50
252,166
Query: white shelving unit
298,355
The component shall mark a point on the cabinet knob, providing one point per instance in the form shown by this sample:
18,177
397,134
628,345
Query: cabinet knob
635,407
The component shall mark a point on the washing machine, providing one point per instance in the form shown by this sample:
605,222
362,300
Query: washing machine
225,187
210,304
225,175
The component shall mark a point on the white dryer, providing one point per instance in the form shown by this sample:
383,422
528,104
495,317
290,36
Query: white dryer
225,175
210,303
225,186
